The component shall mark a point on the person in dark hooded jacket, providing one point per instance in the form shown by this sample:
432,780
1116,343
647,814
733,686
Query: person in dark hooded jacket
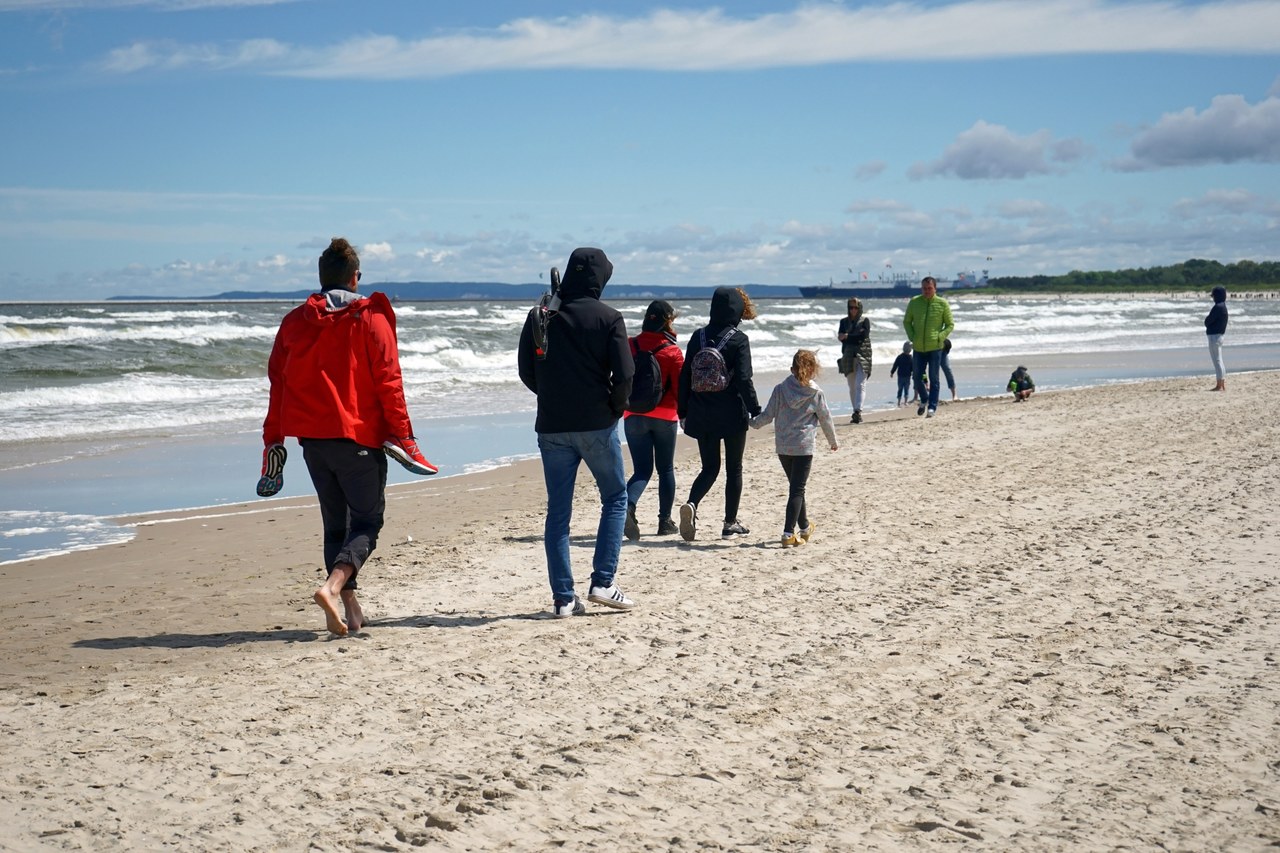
1215,326
582,377
719,416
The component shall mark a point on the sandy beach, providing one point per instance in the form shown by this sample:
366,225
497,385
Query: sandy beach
1042,626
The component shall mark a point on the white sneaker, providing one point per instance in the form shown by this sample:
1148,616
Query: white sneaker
573,608
929,413
688,521
610,596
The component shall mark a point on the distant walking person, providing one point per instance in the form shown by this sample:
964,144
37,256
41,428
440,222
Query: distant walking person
902,368
855,354
799,408
928,323
651,433
581,371
1215,326
717,398
336,387
945,364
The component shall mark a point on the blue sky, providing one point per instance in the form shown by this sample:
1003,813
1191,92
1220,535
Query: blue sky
188,147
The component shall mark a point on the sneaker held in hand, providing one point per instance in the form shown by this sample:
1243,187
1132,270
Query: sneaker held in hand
406,452
272,479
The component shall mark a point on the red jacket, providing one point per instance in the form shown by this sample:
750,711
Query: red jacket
670,360
335,373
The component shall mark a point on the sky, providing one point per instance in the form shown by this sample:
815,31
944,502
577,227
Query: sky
190,147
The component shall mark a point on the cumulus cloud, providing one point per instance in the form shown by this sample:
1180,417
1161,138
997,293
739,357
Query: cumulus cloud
992,151
1230,130
377,252
706,40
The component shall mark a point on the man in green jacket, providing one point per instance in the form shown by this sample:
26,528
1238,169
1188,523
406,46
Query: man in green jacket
928,324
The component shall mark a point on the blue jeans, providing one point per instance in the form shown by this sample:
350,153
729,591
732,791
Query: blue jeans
1215,355
652,440
561,453
946,371
904,386
933,361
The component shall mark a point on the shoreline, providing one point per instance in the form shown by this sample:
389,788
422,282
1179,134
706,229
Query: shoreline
1045,625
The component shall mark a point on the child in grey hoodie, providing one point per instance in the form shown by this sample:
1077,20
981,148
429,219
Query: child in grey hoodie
799,407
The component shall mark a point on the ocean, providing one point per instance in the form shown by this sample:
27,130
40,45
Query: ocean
115,408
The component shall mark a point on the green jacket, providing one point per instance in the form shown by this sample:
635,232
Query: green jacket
928,323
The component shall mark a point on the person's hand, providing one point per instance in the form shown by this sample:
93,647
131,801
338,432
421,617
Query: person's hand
834,448
843,335
682,424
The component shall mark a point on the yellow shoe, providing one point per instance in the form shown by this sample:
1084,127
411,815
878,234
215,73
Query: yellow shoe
804,535
789,540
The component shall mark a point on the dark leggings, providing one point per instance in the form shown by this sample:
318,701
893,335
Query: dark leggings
797,469
709,450
351,482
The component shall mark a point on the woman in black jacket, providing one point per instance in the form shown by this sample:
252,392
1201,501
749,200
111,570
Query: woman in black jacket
855,354
1215,326
713,417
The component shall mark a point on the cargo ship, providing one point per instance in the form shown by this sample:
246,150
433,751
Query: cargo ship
892,286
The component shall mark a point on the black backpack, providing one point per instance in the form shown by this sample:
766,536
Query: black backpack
647,386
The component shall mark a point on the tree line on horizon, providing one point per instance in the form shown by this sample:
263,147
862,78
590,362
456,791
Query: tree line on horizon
1194,274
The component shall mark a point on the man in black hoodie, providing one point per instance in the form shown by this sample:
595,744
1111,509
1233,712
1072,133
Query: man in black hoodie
582,376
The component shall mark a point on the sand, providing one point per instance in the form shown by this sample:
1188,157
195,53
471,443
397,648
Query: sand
1039,626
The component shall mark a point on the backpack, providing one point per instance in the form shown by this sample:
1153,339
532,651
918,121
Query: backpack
540,315
708,371
647,386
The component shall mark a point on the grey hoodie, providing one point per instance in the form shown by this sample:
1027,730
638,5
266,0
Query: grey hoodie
798,409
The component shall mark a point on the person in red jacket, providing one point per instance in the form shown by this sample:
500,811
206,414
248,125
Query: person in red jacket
651,436
336,387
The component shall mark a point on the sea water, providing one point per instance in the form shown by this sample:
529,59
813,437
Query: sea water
115,408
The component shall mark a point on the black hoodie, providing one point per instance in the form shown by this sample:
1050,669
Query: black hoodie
722,413
585,379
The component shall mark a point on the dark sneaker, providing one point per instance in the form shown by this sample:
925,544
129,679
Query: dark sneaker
920,410
666,527
688,521
632,528
857,417
733,529
610,596
272,480
572,608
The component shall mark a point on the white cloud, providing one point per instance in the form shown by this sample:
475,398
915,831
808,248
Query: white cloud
381,252
1230,130
706,40
992,151
1235,202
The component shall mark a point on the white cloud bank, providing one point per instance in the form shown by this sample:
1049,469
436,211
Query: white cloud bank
1230,130
711,40
991,151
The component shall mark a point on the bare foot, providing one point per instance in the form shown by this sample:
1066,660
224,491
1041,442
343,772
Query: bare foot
355,616
330,607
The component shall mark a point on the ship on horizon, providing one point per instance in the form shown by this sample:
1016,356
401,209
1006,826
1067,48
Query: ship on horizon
891,286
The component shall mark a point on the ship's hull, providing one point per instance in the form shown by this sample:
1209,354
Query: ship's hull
886,291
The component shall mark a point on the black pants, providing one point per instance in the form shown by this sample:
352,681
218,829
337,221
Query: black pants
709,451
351,483
797,469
